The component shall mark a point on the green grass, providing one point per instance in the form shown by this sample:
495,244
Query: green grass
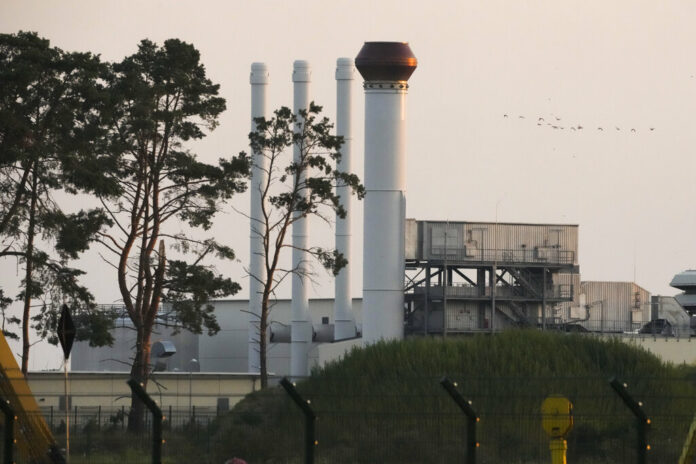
385,404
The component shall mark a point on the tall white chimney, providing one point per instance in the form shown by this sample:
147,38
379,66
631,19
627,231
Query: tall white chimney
386,68
301,326
257,269
344,323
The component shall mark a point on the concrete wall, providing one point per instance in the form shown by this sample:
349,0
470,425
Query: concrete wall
109,389
324,353
677,350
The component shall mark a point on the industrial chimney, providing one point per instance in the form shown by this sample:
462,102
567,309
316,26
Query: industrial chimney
344,323
257,269
301,326
386,68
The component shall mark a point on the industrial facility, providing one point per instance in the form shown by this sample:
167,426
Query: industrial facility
420,277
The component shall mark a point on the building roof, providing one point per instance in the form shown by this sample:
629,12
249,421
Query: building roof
685,280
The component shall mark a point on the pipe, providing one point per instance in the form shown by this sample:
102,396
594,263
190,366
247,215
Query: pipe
301,331
257,269
386,68
344,323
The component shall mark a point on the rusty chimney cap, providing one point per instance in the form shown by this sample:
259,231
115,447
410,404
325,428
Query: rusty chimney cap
386,61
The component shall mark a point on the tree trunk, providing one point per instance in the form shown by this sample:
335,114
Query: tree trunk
262,346
28,276
139,372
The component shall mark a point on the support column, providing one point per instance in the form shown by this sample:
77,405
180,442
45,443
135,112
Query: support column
494,273
481,284
426,318
543,299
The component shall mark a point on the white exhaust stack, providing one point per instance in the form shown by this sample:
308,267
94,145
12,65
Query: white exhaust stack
344,324
257,269
386,68
301,328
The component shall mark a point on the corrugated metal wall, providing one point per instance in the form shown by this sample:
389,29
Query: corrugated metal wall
475,237
625,305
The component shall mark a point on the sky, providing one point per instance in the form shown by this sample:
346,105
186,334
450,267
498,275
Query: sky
629,65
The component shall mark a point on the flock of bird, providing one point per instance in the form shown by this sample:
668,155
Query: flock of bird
554,122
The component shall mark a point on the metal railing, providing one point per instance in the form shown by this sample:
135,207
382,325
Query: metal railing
504,256
553,292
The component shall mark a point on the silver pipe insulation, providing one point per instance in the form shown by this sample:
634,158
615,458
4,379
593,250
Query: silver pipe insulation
259,80
301,325
344,322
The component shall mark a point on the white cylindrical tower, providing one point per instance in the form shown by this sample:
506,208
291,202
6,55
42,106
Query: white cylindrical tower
301,328
344,323
386,68
257,268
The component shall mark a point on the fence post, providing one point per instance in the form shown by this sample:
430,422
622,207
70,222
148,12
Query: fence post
310,418
9,431
157,441
642,420
471,443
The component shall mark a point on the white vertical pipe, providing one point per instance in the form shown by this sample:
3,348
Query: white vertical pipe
386,68
384,220
301,325
257,270
344,323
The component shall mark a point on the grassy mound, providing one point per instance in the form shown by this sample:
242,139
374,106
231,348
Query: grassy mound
384,403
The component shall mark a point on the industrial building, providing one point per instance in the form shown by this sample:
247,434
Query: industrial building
420,277
474,276
224,352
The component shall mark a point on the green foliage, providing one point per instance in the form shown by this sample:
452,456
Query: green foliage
190,289
292,190
158,99
384,403
49,122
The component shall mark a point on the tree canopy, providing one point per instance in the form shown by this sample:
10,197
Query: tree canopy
49,119
158,100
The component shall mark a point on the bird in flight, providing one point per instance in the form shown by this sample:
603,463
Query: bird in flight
505,115
652,128
633,130
521,117
599,128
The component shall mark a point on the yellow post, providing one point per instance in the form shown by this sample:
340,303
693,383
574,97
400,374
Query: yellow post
558,448
557,421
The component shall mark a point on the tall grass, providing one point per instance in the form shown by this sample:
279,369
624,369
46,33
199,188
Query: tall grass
384,403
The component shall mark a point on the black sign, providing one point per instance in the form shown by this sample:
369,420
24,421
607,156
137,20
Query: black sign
66,331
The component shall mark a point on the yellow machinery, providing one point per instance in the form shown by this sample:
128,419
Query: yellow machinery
689,450
557,421
34,440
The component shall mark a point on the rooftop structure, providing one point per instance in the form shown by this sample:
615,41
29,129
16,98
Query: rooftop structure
479,276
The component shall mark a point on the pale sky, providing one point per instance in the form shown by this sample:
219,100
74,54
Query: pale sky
625,64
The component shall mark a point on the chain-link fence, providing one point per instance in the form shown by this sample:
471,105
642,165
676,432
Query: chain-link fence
413,420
